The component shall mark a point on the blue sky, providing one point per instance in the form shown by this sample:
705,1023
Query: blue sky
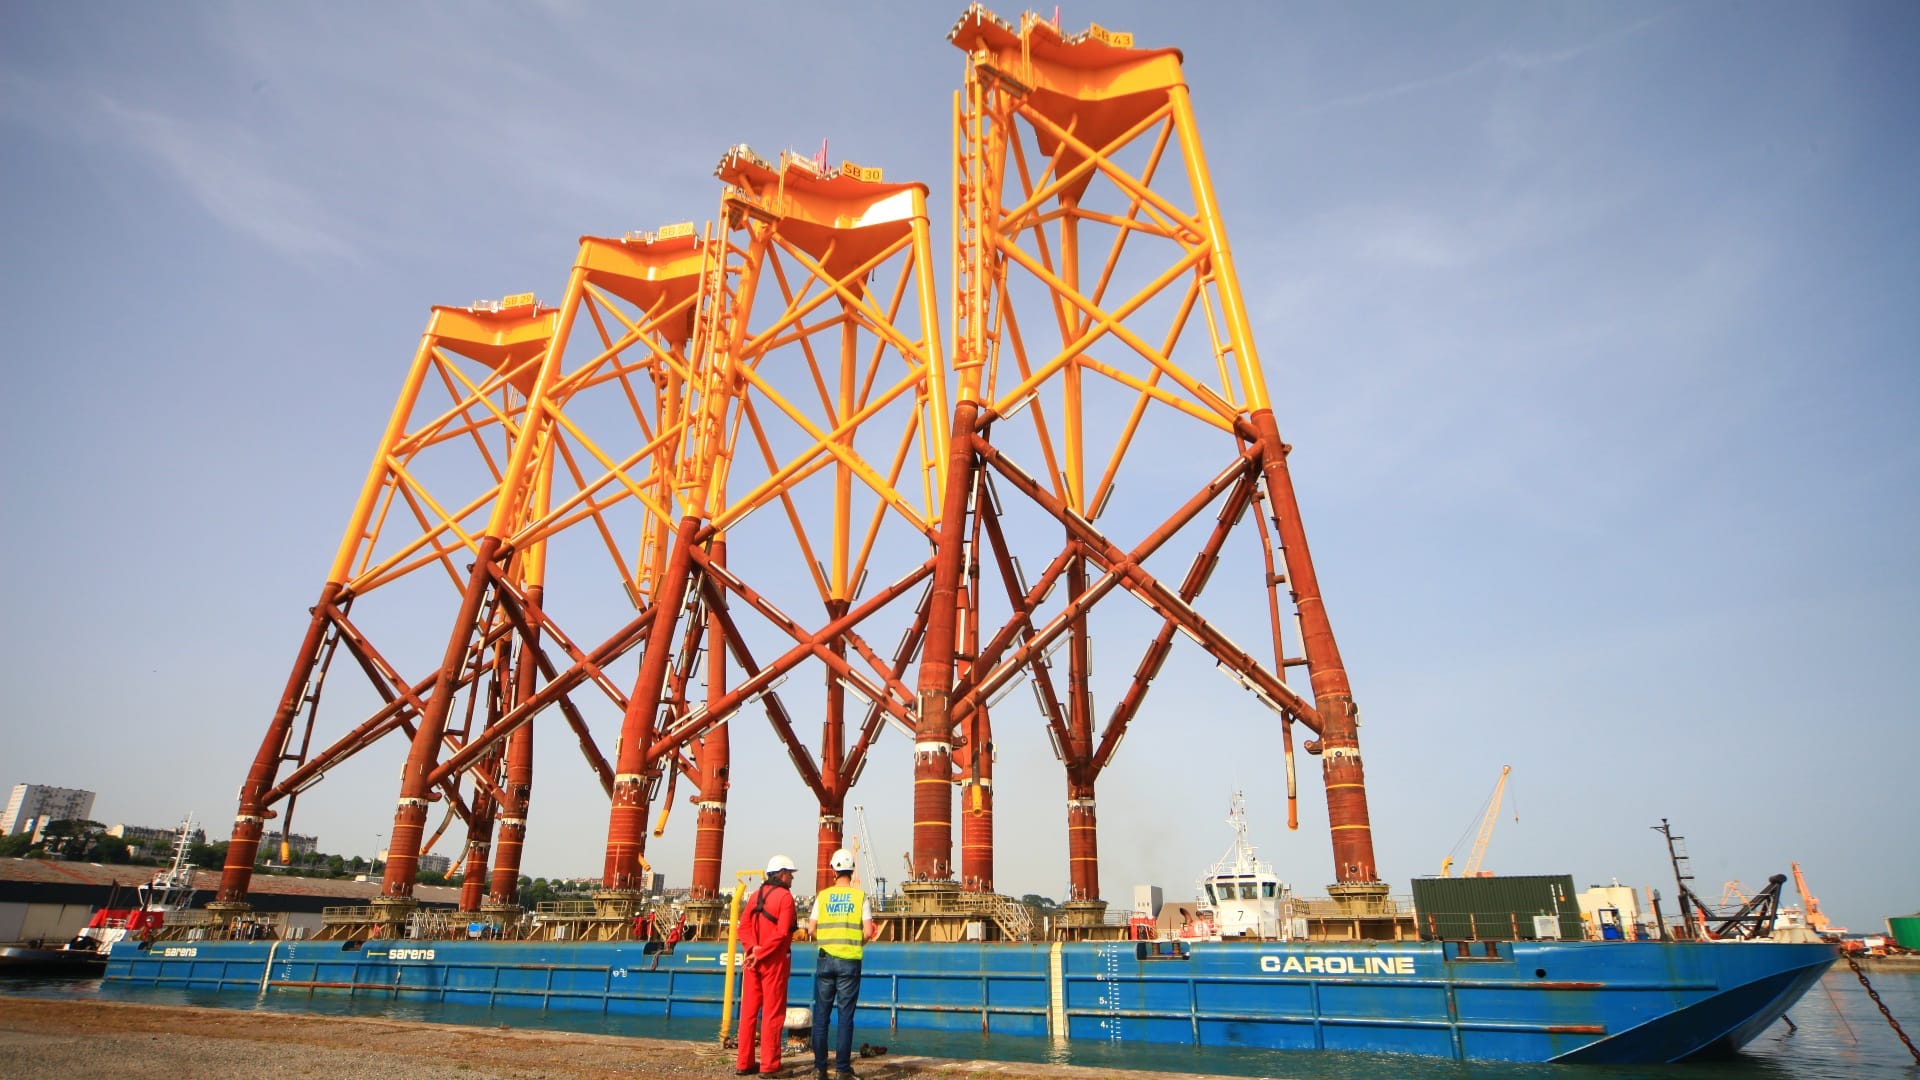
1591,326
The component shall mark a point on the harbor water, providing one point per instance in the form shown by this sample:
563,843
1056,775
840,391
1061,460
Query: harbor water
1837,1032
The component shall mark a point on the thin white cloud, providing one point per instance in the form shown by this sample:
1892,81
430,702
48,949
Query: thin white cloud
1525,61
230,176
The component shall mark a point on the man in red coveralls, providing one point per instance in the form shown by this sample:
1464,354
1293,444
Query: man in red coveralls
766,936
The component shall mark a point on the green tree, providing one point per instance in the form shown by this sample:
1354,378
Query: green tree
70,838
15,846
111,849
535,891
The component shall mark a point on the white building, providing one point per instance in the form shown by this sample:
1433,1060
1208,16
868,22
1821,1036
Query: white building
31,803
153,840
428,863
298,844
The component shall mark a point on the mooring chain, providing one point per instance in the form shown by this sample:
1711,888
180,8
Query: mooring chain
1875,995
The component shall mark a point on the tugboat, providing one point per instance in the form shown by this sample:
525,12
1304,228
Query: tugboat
1243,897
171,890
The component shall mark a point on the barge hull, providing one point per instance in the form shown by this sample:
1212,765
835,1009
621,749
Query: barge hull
1616,1002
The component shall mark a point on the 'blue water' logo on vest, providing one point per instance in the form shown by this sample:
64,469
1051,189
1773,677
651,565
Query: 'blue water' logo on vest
839,905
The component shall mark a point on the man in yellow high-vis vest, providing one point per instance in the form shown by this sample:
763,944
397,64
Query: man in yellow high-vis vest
842,923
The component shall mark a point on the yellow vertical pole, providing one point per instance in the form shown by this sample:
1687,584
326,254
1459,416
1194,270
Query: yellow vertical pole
936,416
962,295
1074,423
733,943
838,585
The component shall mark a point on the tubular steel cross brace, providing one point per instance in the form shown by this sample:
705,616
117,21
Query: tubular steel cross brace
739,423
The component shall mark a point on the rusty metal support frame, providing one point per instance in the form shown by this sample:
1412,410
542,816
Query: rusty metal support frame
508,339
1122,568
714,753
1042,116
1079,102
807,245
661,276
973,755
555,690
760,681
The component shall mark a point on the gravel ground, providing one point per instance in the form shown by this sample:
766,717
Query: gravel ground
70,1039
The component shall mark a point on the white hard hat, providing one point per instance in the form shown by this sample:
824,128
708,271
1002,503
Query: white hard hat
842,860
779,863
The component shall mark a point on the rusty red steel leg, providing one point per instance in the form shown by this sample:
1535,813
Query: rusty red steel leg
627,819
933,734
486,797
518,800
250,822
715,757
976,781
1339,741
1083,844
511,845
976,829
833,738
829,837
416,778
1083,847
517,791
473,873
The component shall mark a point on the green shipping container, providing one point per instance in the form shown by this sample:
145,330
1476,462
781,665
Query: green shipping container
1495,908
1905,930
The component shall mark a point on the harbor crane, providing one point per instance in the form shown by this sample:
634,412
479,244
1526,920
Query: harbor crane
863,853
1816,922
1492,814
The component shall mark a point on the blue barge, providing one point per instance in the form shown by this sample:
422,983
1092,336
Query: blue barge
1575,1001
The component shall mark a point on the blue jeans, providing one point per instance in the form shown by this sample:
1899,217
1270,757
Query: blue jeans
836,985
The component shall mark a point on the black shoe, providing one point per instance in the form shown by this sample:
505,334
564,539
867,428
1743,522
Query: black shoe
751,1070
845,1074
